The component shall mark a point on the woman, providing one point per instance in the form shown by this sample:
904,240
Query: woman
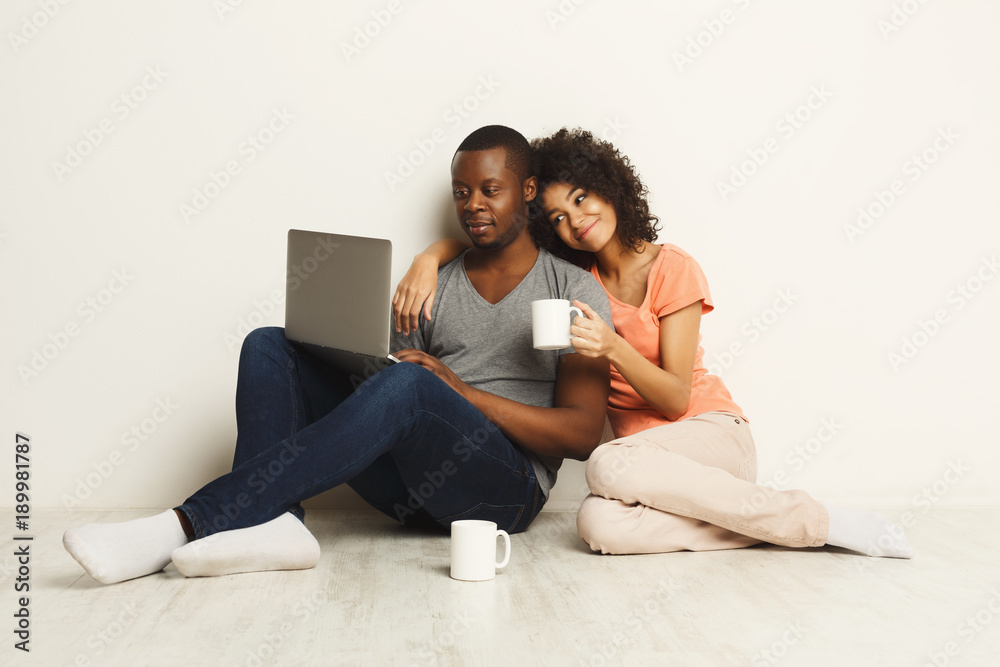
681,472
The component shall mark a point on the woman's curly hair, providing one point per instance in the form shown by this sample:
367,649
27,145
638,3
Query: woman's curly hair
579,158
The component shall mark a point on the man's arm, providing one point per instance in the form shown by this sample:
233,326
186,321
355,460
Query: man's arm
572,429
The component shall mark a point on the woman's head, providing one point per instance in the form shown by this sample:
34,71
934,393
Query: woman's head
596,170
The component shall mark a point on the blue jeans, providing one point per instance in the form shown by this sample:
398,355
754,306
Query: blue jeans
404,440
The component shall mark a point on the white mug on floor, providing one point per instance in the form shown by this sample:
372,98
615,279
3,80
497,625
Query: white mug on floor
550,322
474,550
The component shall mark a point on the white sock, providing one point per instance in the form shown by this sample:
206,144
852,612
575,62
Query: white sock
113,552
280,544
867,532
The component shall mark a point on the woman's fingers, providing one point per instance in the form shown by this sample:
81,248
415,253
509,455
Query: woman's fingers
588,311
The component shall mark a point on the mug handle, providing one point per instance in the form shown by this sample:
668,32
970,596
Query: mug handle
579,312
506,550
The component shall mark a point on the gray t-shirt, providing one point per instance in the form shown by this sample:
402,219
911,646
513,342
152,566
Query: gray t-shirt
488,346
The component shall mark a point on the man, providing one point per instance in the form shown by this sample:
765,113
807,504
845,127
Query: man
472,425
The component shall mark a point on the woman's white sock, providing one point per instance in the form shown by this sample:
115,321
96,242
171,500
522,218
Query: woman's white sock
280,544
867,532
113,552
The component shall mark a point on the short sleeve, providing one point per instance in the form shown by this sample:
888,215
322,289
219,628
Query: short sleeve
679,283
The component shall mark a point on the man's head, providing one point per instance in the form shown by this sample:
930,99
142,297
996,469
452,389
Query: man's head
492,184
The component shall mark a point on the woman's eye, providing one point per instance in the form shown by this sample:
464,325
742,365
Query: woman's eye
579,199
556,220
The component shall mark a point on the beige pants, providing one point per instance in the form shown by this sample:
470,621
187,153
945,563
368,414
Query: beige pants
690,485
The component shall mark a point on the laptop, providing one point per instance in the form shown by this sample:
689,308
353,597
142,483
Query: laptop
337,300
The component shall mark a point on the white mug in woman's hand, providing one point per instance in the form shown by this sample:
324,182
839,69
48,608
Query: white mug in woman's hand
550,323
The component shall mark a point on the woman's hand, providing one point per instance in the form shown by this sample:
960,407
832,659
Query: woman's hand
592,337
415,292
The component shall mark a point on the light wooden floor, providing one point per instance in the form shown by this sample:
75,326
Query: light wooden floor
381,595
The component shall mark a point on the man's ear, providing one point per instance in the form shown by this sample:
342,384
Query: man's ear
530,188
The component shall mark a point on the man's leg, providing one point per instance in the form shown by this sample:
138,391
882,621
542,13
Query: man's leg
447,453
460,465
382,487
400,483
280,390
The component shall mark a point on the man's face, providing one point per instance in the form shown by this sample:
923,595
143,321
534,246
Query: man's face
489,198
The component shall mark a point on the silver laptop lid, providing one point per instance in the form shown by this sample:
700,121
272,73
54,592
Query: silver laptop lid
337,291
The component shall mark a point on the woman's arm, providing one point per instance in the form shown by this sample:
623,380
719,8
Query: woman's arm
418,286
666,388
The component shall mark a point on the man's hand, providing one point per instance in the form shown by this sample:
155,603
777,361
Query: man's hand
434,365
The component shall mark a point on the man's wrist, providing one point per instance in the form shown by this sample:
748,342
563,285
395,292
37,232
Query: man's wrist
467,392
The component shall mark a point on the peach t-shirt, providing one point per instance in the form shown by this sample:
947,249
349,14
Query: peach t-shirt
675,281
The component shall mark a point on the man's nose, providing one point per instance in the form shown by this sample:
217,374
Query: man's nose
475,202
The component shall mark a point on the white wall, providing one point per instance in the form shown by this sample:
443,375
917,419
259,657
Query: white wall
162,95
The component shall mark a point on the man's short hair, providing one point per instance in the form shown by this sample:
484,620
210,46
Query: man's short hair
515,146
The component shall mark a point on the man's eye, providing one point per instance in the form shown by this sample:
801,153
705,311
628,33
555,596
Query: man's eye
491,191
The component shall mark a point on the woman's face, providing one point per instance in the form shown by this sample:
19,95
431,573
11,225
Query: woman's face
584,221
